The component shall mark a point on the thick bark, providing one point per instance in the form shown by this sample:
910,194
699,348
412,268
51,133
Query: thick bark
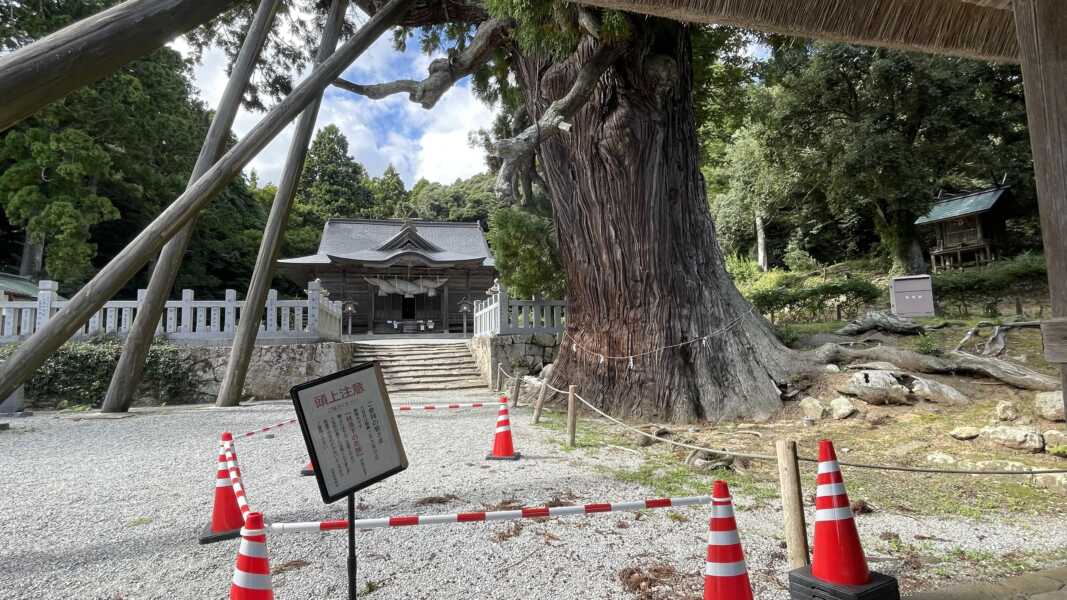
644,270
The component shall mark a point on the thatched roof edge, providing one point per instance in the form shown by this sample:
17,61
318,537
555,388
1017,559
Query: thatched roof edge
960,28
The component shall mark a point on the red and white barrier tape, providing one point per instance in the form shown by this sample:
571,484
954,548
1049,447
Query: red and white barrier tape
266,429
539,512
415,407
230,454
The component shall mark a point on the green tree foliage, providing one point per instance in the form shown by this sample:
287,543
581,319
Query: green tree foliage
390,197
526,252
465,200
872,135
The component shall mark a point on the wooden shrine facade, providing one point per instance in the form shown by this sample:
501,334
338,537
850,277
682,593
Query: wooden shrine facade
399,277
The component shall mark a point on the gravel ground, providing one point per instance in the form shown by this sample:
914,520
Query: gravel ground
96,508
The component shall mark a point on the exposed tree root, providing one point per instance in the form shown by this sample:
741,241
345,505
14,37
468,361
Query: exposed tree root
951,363
882,321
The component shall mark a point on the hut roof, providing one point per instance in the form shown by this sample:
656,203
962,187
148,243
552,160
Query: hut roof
961,206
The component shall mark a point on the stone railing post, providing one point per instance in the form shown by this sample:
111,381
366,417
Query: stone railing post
503,311
314,292
231,311
272,311
46,297
186,325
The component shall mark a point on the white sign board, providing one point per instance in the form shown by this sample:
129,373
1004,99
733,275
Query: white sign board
350,431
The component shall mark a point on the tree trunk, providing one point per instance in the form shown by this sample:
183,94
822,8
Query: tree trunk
32,262
644,269
761,242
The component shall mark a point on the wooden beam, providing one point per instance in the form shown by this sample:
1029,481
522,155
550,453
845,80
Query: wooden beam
32,353
1043,49
93,48
936,26
248,326
130,368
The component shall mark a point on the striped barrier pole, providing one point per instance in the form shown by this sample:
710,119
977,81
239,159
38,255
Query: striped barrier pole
230,455
539,512
266,429
415,407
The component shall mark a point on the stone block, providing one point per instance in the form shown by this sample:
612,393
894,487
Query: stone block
1006,411
1049,405
1016,438
813,408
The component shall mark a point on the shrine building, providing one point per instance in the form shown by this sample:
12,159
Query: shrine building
399,276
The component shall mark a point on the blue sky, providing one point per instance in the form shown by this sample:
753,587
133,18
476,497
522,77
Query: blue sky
420,143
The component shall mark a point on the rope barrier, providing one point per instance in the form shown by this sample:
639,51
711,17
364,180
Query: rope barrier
229,453
539,512
575,346
265,429
768,457
417,407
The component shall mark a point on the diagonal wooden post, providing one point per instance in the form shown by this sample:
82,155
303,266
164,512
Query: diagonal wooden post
130,368
248,326
32,353
93,48
1040,25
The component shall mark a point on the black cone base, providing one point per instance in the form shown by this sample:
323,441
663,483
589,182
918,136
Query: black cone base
209,537
512,457
804,586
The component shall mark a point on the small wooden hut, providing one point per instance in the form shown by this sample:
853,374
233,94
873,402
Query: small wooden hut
970,228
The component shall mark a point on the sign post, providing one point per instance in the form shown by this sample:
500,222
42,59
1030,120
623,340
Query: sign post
351,435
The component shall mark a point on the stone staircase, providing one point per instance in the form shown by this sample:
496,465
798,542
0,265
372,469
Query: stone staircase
422,367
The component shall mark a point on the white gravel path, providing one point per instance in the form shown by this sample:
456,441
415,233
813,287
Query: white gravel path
108,509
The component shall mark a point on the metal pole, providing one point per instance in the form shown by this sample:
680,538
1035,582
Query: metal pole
572,415
248,326
130,368
32,353
352,591
796,534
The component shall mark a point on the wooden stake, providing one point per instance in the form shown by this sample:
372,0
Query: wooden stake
248,326
1043,52
130,368
540,403
796,534
79,54
499,377
572,415
32,353
515,390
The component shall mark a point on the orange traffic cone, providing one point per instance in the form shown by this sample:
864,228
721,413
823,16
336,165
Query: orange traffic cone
251,576
308,470
503,449
725,573
837,557
226,519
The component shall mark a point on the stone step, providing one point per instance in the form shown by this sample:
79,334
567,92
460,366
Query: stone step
417,368
436,387
440,377
421,364
413,352
417,357
404,347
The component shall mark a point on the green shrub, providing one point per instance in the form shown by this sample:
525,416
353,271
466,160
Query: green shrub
744,271
928,344
798,260
988,286
835,299
79,373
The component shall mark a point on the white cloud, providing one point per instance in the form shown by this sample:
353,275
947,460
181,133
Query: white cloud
419,143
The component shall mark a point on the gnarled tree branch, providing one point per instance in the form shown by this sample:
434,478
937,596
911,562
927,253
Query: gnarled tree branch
444,72
514,151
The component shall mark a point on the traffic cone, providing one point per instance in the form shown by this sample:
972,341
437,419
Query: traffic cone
503,449
837,557
226,519
725,573
251,576
308,470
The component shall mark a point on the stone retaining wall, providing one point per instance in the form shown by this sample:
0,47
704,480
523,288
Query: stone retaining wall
521,354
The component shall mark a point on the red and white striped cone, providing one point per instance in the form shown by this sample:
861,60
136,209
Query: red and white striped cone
308,470
837,557
226,518
503,449
251,576
725,572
